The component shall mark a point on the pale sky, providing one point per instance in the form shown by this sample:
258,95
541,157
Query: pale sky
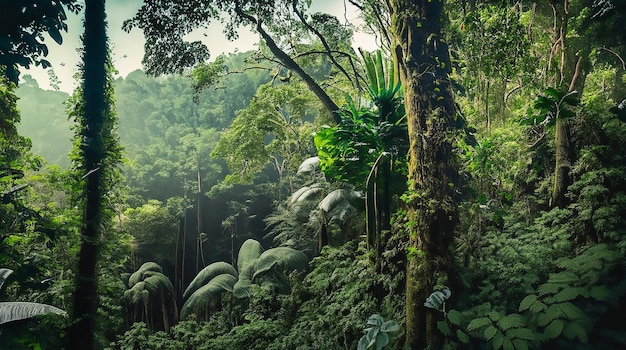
127,48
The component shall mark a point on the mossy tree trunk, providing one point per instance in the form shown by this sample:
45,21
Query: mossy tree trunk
424,64
81,335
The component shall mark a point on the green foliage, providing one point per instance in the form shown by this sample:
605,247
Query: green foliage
377,333
23,27
274,129
551,106
252,263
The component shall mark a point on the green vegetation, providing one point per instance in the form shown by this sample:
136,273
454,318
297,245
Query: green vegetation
475,200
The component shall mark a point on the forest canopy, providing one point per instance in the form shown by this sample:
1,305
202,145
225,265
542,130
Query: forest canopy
464,189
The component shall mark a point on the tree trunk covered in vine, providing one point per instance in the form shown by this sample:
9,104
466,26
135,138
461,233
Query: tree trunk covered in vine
81,335
572,58
424,63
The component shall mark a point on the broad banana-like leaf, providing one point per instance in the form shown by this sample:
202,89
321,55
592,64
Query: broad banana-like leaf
15,311
204,294
309,165
243,287
341,196
207,274
139,274
4,274
304,193
283,256
250,251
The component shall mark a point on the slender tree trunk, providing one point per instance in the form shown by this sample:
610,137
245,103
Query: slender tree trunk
424,62
85,305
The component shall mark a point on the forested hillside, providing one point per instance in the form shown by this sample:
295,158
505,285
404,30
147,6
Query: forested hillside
463,187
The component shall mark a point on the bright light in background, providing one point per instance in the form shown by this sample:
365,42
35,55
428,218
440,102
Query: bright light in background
127,48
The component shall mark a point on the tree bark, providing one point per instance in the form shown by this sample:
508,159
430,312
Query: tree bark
424,64
85,304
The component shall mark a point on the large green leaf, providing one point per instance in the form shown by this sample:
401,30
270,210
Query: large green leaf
283,256
250,251
207,274
202,296
139,274
15,311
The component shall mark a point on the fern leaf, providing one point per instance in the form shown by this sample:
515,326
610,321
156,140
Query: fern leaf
571,311
478,323
553,330
527,302
520,344
511,321
520,333
455,317
575,330
490,332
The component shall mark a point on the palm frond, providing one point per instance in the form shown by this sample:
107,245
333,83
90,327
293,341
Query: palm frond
207,274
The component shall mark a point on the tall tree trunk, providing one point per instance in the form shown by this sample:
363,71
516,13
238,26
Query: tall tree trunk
81,334
572,72
424,67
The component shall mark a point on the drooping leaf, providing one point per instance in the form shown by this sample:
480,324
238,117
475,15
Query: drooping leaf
4,274
575,330
283,256
207,274
138,275
202,296
554,329
16,311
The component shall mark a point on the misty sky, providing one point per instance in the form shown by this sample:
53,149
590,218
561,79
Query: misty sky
127,48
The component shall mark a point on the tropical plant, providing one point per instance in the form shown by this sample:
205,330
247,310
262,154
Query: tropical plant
11,311
252,263
377,333
150,291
